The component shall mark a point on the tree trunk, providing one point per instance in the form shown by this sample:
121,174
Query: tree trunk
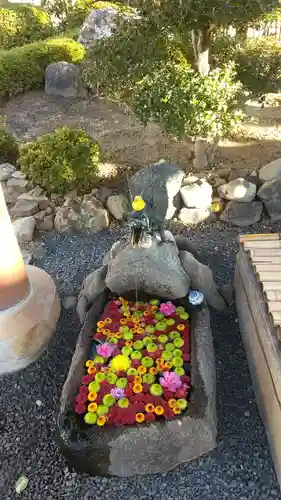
201,41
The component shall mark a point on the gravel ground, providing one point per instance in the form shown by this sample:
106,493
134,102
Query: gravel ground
240,468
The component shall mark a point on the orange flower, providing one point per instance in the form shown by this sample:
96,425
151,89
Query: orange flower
126,313
123,321
92,407
134,330
137,388
149,408
172,403
140,330
106,369
129,343
108,321
159,410
92,370
92,396
89,363
99,330
101,420
101,324
137,380
153,370
159,361
176,411
136,320
154,308
139,418
106,331
180,327
118,335
129,318
141,369
168,365
146,313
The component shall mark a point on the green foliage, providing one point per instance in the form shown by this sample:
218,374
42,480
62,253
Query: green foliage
23,24
23,68
9,149
115,64
185,103
223,50
62,160
258,65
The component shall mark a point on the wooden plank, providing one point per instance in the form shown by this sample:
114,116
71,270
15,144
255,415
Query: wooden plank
274,306
266,259
259,237
273,295
267,285
263,244
268,252
267,267
269,276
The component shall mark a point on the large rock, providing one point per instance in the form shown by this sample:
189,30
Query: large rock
6,171
47,224
92,287
153,268
270,171
117,205
197,195
24,208
36,195
192,216
88,215
238,190
24,229
201,278
63,79
270,194
10,194
159,186
100,23
18,185
242,214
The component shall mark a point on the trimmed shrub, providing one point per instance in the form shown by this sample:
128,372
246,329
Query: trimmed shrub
9,149
23,68
23,24
62,160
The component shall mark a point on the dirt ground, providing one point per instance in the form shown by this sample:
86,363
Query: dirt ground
127,145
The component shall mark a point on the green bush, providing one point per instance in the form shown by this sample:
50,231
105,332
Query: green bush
9,149
258,65
185,103
23,68
62,160
23,24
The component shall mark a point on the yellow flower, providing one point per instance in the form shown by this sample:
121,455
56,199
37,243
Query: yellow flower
159,410
137,388
123,321
92,396
101,420
100,324
89,363
176,410
138,203
149,408
137,380
129,343
120,363
91,370
106,332
172,403
141,369
180,327
108,321
139,418
153,370
92,407
168,365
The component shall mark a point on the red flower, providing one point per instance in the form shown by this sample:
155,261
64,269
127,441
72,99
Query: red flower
181,394
146,388
168,394
80,408
185,379
122,374
83,389
87,379
168,413
158,401
150,417
81,398
136,363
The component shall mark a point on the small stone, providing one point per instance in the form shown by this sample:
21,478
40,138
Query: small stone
117,206
40,215
24,229
242,214
21,484
17,174
47,224
193,215
270,194
270,171
18,185
247,414
69,302
6,171
27,256
49,210
197,195
38,403
24,208
238,190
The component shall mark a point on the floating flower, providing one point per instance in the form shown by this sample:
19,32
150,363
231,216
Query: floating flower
99,330
137,380
172,403
117,393
176,410
167,308
149,408
180,327
92,370
92,396
141,369
171,381
168,365
101,420
120,363
159,410
105,350
89,363
123,321
87,379
100,324
92,407
129,343
108,321
137,388
140,418
153,370
118,335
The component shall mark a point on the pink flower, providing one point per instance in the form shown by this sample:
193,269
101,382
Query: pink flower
167,308
170,381
105,350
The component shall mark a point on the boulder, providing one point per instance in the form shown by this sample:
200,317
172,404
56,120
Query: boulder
197,195
242,214
238,190
63,79
37,195
201,278
17,174
24,229
47,224
100,23
270,194
159,185
88,215
18,185
10,194
153,268
102,193
6,171
24,208
191,216
92,287
270,171
117,205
